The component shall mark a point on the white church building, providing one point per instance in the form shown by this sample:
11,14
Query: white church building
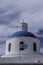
22,47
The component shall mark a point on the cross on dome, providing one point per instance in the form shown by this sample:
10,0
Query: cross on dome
24,26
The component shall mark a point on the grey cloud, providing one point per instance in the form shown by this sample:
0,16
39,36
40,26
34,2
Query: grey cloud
2,42
7,19
7,15
40,33
14,10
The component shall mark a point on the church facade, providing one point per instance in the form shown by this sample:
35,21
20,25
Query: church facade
22,47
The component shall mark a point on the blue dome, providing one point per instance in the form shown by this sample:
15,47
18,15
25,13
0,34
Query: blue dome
23,34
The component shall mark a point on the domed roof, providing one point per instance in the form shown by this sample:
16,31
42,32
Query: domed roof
22,34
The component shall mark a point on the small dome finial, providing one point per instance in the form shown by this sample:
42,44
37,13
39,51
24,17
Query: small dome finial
24,26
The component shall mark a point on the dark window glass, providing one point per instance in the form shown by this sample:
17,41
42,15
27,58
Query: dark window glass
9,47
21,47
34,47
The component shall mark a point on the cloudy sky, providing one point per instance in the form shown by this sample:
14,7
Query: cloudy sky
12,12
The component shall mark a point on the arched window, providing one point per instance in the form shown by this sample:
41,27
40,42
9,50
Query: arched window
34,47
9,47
21,45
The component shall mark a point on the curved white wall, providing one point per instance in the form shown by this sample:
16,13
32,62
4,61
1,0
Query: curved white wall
15,45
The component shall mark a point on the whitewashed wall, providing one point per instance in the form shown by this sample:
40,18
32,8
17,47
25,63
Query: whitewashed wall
15,45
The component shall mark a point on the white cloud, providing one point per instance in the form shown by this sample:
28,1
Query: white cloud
31,10
6,31
12,11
